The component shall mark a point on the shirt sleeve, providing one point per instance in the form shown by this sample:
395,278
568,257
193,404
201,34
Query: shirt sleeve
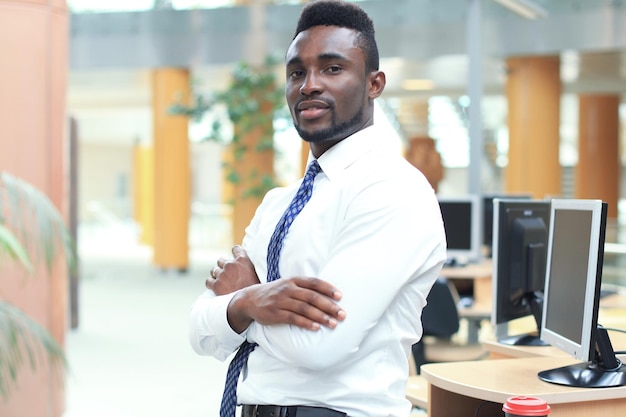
209,331
388,247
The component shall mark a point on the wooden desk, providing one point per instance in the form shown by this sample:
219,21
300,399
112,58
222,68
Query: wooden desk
417,391
499,351
458,389
614,301
479,274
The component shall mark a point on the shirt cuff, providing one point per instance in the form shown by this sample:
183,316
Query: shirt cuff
210,333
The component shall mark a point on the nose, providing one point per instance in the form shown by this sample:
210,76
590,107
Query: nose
311,85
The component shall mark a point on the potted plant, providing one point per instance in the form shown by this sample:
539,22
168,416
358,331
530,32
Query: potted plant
253,99
32,233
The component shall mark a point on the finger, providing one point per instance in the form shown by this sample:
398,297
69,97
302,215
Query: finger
238,251
209,282
215,271
319,294
320,286
315,307
322,309
308,316
305,323
220,262
289,313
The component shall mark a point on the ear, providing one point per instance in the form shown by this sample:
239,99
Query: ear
377,81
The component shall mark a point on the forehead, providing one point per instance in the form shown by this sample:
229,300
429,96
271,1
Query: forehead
323,40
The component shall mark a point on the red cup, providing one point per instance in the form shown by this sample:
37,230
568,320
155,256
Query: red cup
522,406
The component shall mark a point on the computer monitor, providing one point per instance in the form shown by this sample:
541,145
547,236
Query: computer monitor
572,296
520,246
461,218
488,217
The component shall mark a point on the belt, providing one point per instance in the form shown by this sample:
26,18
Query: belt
288,411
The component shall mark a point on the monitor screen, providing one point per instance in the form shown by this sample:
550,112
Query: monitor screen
520,245
572,296
461,219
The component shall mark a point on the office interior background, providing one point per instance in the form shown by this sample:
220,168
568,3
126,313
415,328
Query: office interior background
443,59
426,52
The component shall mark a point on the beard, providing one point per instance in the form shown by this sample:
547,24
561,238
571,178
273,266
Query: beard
335,131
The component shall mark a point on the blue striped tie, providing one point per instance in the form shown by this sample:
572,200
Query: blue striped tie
229,398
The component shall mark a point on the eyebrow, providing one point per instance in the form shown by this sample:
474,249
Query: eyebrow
331,56
327,56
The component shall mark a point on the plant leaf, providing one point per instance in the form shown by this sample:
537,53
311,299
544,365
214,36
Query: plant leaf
35,221
22,338
10,245
29,224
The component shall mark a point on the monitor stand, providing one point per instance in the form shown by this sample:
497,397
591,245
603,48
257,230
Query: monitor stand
585,375
534,299
604,372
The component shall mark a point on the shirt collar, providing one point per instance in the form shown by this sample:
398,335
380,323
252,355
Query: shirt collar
336,159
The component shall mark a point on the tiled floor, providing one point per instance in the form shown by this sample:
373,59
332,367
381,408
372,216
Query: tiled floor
130,357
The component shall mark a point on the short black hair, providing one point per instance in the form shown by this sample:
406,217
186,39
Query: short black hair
343,14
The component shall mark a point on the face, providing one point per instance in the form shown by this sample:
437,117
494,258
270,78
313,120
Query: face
328,91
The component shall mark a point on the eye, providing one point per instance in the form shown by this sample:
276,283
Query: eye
296,74
334,69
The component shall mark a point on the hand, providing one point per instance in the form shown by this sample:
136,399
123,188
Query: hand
232,275
308,303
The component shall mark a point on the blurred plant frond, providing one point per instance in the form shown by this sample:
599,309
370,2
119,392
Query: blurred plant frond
32,232
23,342
11,246
35,222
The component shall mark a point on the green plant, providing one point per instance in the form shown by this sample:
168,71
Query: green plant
253,99
32,232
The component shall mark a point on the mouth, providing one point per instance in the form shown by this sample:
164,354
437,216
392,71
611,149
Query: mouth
312,109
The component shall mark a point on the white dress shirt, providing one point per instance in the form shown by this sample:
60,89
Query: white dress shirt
373,229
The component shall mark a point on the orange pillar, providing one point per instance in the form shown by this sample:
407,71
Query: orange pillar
143,192
172,176
228,188
597,172
423,155
252,168
533,90
304,155
33,83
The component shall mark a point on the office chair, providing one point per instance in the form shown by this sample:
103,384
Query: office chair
440,322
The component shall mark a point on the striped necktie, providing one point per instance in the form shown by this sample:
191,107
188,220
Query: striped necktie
229,398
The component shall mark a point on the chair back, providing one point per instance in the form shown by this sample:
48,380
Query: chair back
440,317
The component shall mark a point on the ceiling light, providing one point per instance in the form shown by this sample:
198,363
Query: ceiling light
524,8
418,84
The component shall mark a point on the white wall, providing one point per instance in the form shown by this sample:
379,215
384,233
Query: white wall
104,181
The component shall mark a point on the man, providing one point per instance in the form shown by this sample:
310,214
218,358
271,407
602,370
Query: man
332,336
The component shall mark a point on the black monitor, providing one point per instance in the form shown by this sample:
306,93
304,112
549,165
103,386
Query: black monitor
461,218
488,216
520,246
572,296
